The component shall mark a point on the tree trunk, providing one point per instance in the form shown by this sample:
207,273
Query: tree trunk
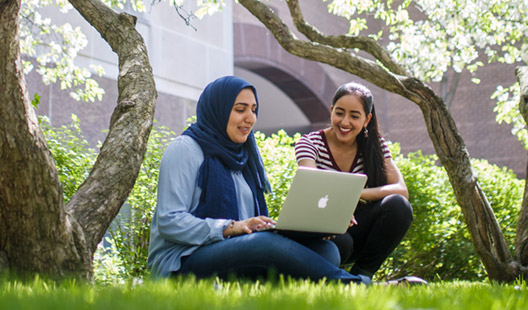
521,239
38,234
485,232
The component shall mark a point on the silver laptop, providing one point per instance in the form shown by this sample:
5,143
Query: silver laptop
319,203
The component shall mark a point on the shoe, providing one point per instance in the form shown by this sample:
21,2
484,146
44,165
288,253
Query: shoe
407,281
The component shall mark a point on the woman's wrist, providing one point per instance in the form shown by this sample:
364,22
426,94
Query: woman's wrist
229,231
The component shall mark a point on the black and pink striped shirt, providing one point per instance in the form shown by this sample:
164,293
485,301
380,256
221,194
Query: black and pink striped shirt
314,146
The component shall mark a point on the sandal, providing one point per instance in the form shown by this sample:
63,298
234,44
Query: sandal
407,281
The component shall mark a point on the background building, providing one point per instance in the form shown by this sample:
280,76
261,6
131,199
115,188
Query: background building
295,94
183,60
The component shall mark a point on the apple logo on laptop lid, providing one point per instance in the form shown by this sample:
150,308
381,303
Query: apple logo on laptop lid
322,202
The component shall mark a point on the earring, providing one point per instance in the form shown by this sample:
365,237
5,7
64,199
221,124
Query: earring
365,132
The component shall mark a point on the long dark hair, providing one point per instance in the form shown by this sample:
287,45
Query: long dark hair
368,148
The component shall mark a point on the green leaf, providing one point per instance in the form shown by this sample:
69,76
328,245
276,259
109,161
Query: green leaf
36,101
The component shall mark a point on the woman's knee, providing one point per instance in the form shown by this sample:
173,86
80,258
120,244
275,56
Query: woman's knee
259,240
266,243
398,207
326,249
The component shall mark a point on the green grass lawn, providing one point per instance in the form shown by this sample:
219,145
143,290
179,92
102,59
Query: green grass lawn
209,294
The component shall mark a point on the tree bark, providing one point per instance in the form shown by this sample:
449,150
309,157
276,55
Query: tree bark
35,231
333,50
38,234
521,238
99,198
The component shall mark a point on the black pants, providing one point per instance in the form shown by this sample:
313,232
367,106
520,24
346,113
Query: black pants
381,226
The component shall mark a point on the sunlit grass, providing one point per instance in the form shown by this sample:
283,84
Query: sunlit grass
282,294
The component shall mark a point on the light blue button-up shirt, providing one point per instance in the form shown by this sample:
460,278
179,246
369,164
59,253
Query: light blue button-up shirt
175,232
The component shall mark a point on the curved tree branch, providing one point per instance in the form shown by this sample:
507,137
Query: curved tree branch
99,198
366,44
339,58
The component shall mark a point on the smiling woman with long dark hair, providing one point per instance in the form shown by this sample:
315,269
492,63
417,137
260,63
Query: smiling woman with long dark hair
353,144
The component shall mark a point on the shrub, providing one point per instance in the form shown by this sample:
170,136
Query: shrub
437,244
278,156
72,153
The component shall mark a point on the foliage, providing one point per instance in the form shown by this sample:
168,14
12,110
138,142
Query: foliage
438,244
109,268
435,245
53,49
428,37
508,112
187,293
73,156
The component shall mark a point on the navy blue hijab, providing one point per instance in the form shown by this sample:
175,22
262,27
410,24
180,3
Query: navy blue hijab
222,155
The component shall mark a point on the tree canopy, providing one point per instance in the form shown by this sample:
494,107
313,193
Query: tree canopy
437,41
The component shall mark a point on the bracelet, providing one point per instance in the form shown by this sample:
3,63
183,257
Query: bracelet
231,225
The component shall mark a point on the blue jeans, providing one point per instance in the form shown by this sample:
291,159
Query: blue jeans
256,254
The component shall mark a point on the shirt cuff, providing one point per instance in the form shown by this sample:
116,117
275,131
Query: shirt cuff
217,227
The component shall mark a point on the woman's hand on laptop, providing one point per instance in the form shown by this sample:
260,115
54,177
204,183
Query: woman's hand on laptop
248,226
352,222
254,223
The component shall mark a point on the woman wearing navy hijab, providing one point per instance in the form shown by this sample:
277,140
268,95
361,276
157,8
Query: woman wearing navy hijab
211,200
